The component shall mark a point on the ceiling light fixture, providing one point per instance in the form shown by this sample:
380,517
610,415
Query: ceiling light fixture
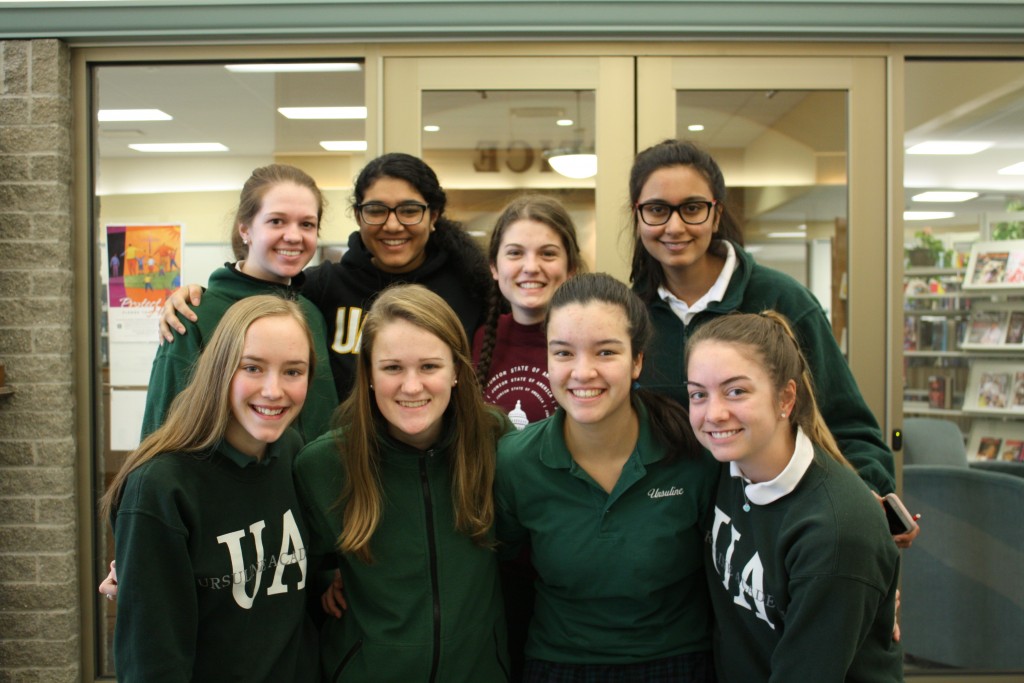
944,196
322,112
695,127
344,145
310,67
179,147
132,115
1015,169
431,129
949,147
574,161
573,164
926,215
787,235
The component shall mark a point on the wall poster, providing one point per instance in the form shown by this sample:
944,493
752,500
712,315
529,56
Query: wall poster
144,267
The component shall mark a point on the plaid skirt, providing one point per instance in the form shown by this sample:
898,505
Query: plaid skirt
692,667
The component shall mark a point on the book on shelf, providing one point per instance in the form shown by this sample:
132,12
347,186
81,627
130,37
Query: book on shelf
940,392
909,333
931,333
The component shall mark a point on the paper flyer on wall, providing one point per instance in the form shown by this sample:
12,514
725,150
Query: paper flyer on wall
144,267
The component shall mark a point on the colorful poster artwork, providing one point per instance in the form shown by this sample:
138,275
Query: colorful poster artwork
143,268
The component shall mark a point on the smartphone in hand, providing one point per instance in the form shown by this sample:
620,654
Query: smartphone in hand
900,520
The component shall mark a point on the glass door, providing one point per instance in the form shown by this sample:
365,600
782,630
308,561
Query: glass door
801,143
490,128
962,343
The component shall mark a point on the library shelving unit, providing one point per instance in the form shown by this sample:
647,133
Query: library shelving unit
963,348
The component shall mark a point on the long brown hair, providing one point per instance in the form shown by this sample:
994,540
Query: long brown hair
198,416
477,428
534,207
774,345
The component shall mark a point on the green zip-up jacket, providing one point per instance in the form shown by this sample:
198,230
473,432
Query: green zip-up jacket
429,606
753,289
173,364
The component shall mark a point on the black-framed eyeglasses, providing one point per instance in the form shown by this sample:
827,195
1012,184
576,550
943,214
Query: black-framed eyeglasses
374,213
693,212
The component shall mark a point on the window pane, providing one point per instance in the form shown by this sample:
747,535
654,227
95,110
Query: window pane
783,154
490,146
165,217
963,389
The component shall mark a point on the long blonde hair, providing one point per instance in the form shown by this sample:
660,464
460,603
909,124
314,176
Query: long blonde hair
198,416
477,427
775,346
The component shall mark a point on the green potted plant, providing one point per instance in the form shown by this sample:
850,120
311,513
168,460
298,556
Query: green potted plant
1010,230
928,250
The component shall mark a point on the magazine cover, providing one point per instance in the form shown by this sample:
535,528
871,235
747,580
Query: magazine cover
990,268
988,449
1015,268
993,390
1013,450
1015,328
1017,393
987,327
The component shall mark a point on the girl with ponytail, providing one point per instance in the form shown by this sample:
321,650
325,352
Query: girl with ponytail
801,566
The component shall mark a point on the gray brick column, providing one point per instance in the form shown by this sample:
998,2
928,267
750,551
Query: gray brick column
39,602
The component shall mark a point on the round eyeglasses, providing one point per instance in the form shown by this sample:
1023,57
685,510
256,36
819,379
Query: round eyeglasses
693,212
409,213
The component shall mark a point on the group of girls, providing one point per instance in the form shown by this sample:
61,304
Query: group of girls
622,511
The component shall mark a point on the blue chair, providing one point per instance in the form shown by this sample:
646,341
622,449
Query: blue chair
963,578
931,441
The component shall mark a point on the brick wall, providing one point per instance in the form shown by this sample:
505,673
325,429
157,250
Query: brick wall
39,593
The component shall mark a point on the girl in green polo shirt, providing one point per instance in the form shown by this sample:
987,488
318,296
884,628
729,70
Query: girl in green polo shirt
608,493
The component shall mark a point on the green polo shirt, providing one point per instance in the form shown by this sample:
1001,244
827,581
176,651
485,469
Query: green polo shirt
620,575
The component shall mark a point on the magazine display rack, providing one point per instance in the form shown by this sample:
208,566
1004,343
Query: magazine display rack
963,345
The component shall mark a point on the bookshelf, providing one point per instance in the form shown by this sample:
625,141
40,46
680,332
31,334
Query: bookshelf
963,347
